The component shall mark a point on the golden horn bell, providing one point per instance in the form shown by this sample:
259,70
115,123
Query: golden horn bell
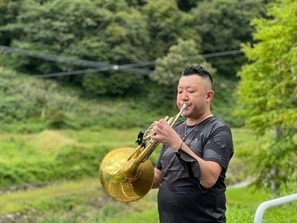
127,174
117,183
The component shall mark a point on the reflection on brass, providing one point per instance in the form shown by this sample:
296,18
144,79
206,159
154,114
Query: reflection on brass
126,173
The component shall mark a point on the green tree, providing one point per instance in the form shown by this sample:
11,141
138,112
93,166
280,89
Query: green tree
223,26
119,32
166,24
124,39
168,68
107,31
267,93
9,11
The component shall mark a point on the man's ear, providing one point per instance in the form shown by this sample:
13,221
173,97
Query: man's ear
210,95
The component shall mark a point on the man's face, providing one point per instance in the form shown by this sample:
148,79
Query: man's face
196,93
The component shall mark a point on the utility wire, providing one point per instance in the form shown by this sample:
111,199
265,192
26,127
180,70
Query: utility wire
220,54
56,58
77,72
99,66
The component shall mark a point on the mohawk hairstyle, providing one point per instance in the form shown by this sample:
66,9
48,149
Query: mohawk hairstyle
197,70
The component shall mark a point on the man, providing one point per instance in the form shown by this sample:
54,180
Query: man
192,166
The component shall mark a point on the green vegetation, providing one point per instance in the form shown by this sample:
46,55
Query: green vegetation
54,132
50,156
71,192
267,93
63,37
32,105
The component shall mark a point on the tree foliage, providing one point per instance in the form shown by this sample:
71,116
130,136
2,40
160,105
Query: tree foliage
268,92
97,31
118,33
23,99
223,26
168,68
164,20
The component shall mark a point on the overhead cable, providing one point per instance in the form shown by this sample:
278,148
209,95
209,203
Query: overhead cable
99,66
56,58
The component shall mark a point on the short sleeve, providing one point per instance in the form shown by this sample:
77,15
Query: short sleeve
219,147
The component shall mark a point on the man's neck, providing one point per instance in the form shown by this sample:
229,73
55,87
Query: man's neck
195,121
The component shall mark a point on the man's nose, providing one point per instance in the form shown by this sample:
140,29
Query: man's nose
184,96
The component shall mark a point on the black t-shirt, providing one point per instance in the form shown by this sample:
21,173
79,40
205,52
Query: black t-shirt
180,199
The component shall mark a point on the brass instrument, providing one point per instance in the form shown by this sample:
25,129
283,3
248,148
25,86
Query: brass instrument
126,173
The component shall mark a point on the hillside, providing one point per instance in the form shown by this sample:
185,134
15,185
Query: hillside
53,137
45,103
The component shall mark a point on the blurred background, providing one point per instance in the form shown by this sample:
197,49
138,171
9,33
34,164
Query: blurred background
81,78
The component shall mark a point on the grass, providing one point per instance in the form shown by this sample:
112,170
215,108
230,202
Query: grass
84,202
50,197
56,155
63,200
